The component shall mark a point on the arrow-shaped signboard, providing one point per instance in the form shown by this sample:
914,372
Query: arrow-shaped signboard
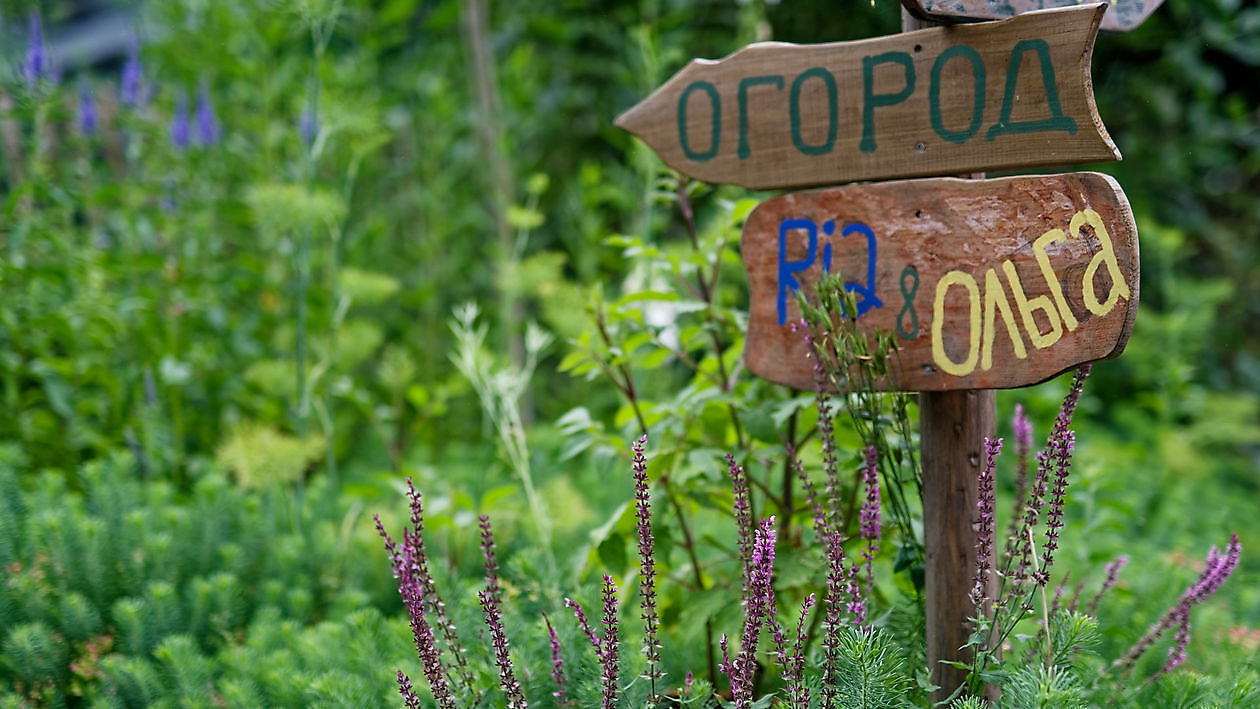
1122,15
986,96
986,283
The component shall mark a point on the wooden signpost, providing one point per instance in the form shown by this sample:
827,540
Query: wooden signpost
986,284
1011,94
1122,15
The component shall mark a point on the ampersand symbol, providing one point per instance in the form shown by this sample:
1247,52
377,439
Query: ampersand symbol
912,274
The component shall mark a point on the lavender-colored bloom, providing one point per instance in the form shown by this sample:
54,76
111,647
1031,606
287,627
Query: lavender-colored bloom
407,691
557,663
1216,570
794,664
488,555
308,126
420,595
743,513
499,644
36,65
985,508
582,622
1054,516
207,124
403,560
869,517
759,609
1023,449
1113,574
87,110
609,645
180,130
647,563
132,77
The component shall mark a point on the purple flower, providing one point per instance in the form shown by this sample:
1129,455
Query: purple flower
488,553
647,563
609,645
1023,449
207,124
407,691
36,65
308,126
420,596
870,513
1062,453
1216,570
582,622
759,609
1113,574
132,77
743,513
985,506
180,131
557,663
502,657
87,110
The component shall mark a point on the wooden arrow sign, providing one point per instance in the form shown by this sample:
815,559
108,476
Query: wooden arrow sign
1122,15
940,101
986,283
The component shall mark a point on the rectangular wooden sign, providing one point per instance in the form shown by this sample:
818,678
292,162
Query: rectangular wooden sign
985,284
941,101
1122,15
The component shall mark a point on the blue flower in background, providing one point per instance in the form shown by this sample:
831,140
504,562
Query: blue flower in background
132,77
207,124
308,126
180,136
87,110
37,65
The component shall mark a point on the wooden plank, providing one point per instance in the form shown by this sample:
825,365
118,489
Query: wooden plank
1122,15
986,283
952,429
941,101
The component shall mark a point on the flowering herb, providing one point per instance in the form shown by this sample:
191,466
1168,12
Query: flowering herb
870,513
207,123
499,644
87,110
647,563
132,80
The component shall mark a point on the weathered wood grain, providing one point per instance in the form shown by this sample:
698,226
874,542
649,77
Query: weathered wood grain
1122,15
941,101
972,276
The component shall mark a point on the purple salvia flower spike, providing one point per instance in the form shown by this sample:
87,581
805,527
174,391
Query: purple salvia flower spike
557,664
870,513
1215,571
1023,449
180,130
743,513
1113,574
407,691
986,504
207,123
759,610
647,563
502,657
488,556
609,645
87,110
582,622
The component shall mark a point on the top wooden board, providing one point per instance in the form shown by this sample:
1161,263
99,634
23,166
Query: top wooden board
941,101
983,284
1122,15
